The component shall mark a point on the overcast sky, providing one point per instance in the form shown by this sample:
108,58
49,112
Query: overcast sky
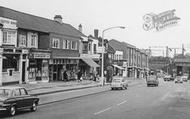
101,14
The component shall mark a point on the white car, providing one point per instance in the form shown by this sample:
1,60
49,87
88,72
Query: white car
119,83
184,78
178,79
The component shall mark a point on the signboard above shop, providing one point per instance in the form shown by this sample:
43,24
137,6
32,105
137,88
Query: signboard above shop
39,55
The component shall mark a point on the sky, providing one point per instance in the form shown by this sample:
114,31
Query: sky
102,14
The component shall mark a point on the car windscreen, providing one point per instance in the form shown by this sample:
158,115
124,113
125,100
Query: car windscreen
117,80
5,92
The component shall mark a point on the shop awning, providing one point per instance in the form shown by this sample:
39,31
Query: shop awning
90,62
119,67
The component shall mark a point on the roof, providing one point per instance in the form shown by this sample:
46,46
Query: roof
116,45
36,23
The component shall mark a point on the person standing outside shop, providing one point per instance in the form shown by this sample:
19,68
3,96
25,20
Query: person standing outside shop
79,75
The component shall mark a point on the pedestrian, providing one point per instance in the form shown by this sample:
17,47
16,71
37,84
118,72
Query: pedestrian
79,75
65,75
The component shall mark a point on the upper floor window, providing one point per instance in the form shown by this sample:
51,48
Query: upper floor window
95,49
32,40
55,43
67,44
9,37
74,45
22,40
64,44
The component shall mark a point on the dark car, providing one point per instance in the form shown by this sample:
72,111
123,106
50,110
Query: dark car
15,98
152,80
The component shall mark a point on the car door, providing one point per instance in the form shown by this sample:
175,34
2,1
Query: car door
27,100
18,98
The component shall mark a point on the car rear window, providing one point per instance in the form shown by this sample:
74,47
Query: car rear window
5,92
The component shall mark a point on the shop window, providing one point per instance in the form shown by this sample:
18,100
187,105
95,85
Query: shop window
55,43
10,62
22,40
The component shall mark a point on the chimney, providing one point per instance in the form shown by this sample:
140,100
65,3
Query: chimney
58,18
80,28
96,33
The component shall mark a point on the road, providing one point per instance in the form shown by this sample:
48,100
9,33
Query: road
167,101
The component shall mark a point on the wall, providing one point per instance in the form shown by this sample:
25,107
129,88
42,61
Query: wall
14,78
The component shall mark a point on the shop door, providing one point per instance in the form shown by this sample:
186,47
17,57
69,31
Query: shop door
23,72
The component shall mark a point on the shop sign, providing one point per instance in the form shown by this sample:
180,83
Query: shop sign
38,55
160,21
8,23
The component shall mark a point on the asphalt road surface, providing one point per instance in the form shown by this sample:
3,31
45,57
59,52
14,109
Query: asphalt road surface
167,101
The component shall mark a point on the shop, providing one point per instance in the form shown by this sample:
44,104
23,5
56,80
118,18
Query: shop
38,66
60,66
12,61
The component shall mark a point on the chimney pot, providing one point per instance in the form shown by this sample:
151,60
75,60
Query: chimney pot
58,18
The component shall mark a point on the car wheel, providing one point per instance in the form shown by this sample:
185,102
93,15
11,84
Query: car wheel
12,110
34,107
112,88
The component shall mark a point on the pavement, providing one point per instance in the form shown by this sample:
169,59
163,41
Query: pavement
59,91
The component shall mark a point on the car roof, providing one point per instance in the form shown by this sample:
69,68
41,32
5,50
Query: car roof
10,87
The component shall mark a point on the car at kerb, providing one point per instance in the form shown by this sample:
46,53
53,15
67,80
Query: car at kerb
119,83
152,80
178,79
184,78
13,99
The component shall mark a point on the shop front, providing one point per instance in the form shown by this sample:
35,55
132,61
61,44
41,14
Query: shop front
63,69
38,66
11,62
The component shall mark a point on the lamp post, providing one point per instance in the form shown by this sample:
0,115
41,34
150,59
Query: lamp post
103,49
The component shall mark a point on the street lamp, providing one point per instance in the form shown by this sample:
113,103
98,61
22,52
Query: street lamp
103,49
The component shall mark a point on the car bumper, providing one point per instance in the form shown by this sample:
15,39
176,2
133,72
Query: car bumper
152,83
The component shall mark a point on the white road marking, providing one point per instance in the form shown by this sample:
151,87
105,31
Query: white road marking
102,111
122,103
165,96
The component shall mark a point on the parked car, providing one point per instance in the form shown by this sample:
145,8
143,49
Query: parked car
16,98
152,80
119,83
178,79
167,77
184,78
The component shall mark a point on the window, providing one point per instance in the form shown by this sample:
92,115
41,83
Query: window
23,91
9,37
17,92
33,39
74,45
89,47
95,49
67,44
55,43
22,40
5,92
64,44
10,62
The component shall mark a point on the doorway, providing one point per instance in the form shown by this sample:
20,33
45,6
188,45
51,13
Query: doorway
23,72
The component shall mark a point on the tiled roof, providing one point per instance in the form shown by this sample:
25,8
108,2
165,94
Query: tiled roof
116,45
36,23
